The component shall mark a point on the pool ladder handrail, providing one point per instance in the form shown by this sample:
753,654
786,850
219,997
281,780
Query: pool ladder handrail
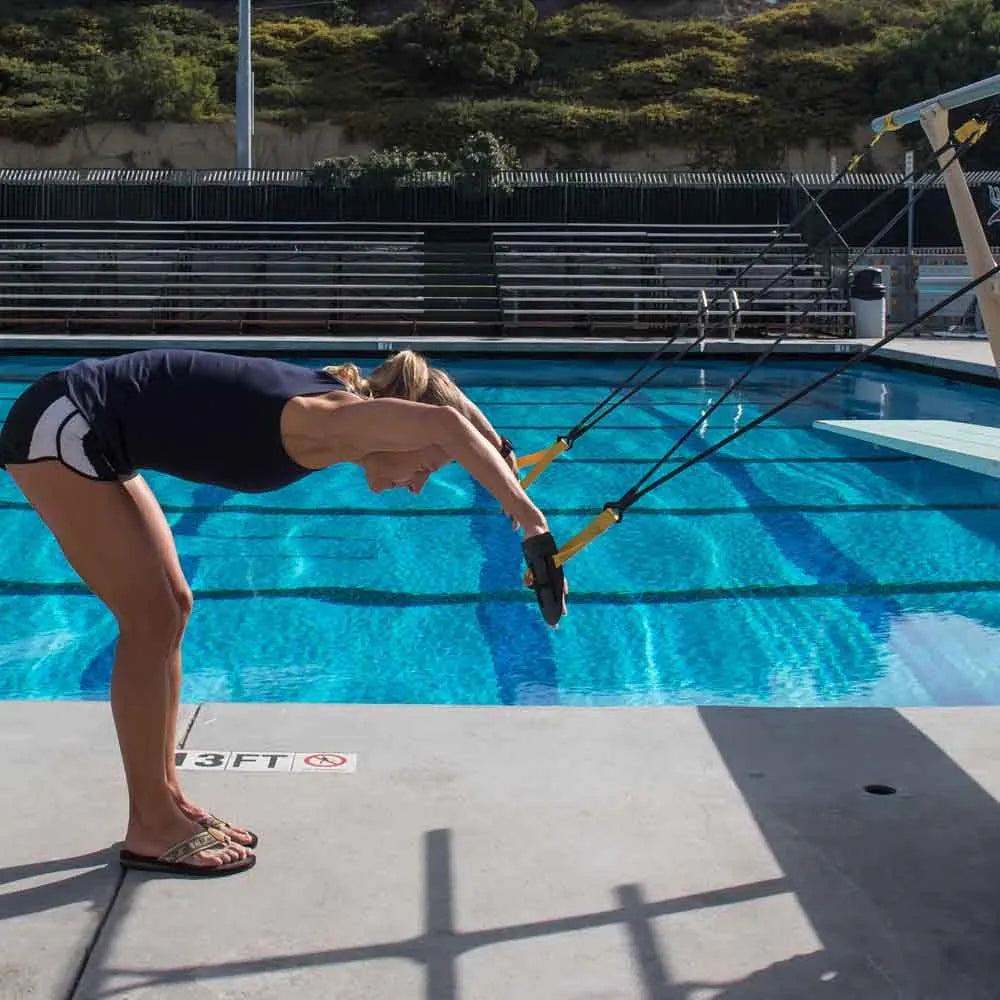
702,313
735,317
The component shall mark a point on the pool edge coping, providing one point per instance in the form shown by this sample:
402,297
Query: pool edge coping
967,359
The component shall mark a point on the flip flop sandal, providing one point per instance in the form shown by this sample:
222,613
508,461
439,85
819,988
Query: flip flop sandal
211,822
172,862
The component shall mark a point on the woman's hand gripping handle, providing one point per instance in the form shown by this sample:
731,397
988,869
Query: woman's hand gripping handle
544,576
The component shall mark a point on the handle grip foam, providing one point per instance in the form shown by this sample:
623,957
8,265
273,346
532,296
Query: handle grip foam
546,578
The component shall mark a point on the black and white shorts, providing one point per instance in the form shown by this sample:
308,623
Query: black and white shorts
44,424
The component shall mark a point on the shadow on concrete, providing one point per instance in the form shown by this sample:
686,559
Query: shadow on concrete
900,889
903,889
440,947
95,885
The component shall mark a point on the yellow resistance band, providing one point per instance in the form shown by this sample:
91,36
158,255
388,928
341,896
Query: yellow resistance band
541,460
889,124
597,527
855,162
973,129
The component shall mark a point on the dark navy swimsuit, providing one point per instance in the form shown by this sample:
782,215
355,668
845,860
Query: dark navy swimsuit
198,415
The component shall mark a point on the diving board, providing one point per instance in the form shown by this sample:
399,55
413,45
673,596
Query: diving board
952,99
968,446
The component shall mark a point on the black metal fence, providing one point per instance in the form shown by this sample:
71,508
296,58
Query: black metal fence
526,196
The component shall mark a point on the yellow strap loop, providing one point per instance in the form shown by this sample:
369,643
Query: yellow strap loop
973,130
541,460
597,527
888,125
857,158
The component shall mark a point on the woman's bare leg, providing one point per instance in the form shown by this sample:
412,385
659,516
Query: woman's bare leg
110,541
147,503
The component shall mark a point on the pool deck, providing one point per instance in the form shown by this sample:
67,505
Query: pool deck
481,853
962,355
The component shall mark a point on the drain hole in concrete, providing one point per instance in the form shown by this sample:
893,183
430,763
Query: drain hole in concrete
880,790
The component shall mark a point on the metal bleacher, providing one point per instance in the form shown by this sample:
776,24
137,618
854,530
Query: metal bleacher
655,276
331,277
939,278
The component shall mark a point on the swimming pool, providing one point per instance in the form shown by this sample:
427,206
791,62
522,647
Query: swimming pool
792,568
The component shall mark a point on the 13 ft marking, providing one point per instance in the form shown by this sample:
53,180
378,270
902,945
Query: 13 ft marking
280,762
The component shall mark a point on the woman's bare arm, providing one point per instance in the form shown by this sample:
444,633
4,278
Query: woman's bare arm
479,420
355,428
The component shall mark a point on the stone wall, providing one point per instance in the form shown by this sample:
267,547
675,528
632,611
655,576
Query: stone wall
208,147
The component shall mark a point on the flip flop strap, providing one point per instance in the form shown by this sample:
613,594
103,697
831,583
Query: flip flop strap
202,841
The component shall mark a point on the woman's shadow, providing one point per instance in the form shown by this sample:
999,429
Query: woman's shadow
92,878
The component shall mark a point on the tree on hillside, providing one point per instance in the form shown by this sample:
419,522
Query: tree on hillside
959,46
336,11
485,42
150,82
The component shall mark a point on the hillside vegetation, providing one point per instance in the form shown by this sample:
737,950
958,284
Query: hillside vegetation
736,91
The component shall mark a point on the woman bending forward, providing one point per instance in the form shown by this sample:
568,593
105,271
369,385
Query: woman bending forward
73,443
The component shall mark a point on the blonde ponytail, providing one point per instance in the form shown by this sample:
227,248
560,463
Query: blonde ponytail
404,375
350,377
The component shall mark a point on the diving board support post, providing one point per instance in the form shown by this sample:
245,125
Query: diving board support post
934,119
966,446
969,94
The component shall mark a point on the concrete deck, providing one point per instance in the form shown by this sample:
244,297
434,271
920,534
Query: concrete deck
523,854
545,853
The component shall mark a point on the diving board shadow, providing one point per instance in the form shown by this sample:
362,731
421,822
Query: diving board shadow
967,446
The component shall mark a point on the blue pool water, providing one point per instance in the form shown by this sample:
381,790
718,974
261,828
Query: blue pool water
792,568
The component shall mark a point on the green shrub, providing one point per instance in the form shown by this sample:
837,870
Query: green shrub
296,37
650,79
593,35
338,11
151,83
478,42
811,23
959,44
735,93
474,166
307,69
41,85
524,123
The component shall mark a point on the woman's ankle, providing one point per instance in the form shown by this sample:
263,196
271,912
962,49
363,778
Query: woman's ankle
156,816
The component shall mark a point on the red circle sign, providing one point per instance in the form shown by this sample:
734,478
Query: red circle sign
325,760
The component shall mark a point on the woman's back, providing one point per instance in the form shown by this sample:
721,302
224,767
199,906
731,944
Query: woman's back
199,415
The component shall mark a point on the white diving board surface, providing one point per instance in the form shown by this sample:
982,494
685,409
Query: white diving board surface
968,446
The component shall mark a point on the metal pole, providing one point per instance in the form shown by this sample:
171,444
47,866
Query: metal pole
952,99
244,92
909,202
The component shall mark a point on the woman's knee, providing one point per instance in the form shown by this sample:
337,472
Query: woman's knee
185,604
156,622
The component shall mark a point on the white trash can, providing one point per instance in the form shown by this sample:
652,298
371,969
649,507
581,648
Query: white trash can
868,303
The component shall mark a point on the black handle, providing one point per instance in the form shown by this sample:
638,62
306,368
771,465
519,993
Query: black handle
546,577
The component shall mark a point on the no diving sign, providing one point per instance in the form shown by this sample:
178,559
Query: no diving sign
280,762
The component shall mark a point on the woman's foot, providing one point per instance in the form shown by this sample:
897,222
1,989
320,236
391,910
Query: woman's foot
152,841
246,838
175,862
237,834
